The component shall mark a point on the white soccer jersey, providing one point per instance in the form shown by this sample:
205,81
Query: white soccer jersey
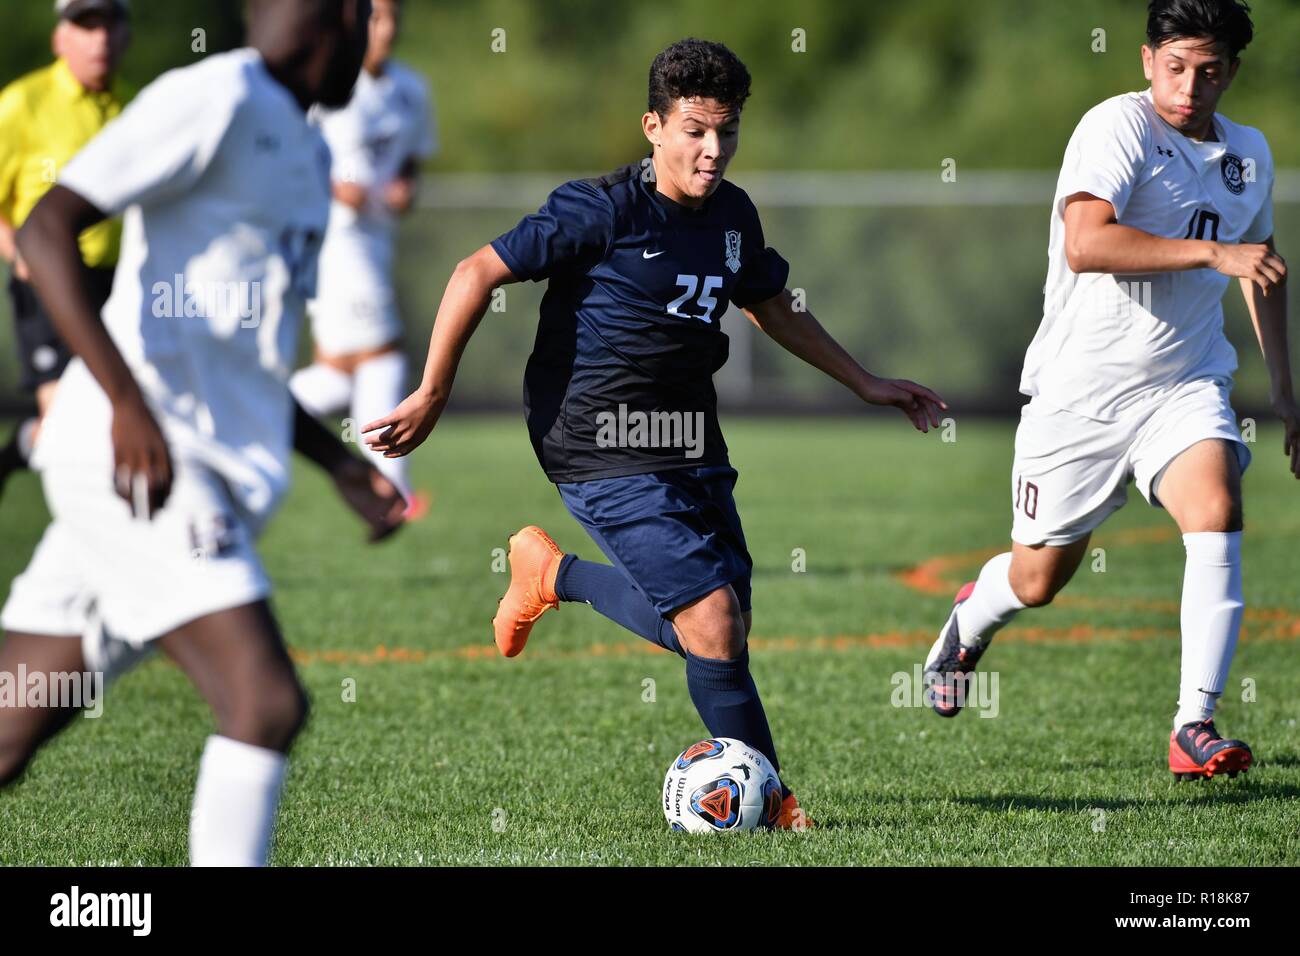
387,122
1108,341
225,187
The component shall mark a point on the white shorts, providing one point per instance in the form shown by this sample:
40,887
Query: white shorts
1072,472
355,306
354,319
145,578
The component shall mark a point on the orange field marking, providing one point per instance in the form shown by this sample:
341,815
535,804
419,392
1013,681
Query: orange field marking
932,577
1287,630
935,577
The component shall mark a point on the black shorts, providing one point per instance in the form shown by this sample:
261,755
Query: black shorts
42,356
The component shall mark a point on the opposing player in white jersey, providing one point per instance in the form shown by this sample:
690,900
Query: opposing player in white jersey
1160,200
378,141
166,449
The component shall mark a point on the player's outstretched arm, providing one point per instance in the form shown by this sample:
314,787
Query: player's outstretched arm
371,496
350,194
48,244
800,334
1096,242
465,300
1268,315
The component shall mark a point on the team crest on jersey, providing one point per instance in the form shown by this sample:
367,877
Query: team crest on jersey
1232,176
733,250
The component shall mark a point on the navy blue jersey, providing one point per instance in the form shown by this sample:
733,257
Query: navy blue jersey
620,381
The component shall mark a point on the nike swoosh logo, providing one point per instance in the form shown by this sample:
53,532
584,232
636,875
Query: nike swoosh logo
647,254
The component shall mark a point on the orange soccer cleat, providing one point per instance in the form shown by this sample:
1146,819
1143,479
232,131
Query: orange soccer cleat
1197,751
534,560
417,506
792,816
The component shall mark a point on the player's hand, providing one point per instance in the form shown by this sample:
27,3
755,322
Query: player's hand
1287,411
406,427
918,403
399,195
373,498
350,194
1250,260
142,465
21,272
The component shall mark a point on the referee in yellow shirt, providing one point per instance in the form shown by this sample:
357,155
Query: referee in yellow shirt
46,117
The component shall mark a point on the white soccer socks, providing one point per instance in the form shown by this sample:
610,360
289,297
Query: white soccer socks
992,604
1212,609
378,386
374,389
235,803
321,389
1213,603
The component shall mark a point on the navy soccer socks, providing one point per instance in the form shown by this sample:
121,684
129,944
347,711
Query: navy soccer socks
608,590
723,691
727,699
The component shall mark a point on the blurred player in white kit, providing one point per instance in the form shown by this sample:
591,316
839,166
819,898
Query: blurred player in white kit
166,450
377,142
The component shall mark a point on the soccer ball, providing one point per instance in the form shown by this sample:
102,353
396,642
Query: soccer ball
721,784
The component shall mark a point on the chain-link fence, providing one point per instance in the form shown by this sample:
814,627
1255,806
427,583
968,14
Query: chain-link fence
917,276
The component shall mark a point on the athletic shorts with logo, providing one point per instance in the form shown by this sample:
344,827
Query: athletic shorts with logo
143,577
1072,472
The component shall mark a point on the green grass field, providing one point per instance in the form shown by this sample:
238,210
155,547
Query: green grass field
451,755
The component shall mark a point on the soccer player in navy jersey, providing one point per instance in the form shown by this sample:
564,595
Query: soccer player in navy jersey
619,394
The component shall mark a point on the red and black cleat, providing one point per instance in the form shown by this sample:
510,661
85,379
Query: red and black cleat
950,664
1197,752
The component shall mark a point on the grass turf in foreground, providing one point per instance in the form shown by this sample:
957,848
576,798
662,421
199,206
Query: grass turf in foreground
449,754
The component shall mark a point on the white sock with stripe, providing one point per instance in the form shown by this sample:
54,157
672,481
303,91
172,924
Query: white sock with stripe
1213,603
991,605
321,389
379,387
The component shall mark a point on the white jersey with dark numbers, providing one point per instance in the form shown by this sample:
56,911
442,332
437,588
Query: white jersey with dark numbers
387,122
225,189
1106,342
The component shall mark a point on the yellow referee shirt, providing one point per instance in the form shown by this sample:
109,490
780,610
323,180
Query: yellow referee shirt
45,119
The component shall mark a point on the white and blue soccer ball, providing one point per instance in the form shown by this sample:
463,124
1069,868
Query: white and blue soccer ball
720,785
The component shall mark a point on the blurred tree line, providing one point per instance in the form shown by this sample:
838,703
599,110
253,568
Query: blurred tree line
838,84
949,295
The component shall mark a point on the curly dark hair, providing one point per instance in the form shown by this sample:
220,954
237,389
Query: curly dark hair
1224,21
691,68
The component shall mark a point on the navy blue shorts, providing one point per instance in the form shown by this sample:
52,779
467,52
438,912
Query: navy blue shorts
675,534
